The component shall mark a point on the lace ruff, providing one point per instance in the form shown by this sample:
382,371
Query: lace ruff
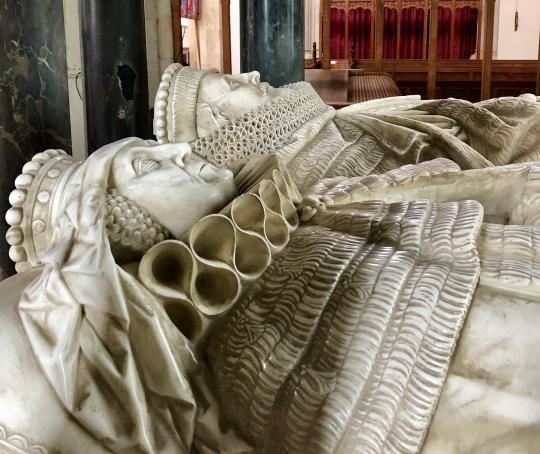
264,129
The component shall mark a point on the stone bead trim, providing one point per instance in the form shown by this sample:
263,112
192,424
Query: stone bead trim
162,102
30,205
175,109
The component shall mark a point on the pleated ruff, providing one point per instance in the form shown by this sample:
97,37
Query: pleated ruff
343,345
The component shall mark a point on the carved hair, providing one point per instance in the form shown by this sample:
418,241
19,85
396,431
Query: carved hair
130,227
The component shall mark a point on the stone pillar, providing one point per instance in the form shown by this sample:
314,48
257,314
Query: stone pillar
116,78
272,39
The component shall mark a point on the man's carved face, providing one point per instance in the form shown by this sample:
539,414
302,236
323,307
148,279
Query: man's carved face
224,97
175,186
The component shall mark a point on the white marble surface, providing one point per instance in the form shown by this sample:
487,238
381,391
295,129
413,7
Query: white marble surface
28,406
491,400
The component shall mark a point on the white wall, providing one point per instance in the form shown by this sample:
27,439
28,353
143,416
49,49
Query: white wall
77,110
152,49
311,26
523,43
159,42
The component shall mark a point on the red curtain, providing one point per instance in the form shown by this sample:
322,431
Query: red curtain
190,9
465,32
337,33
360,33
390,33
443,33
411,33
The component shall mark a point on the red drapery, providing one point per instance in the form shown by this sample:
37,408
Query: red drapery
360,33
337,33
443,33
411,33
190,9
390,33
465,32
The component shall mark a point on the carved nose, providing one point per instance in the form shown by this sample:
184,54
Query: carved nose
182,155
255,77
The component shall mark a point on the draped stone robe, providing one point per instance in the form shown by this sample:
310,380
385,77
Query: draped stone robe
362,140
347,341
343,345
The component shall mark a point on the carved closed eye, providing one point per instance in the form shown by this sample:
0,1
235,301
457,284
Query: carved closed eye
143,165
233,84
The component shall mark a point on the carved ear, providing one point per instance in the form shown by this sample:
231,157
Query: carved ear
209,118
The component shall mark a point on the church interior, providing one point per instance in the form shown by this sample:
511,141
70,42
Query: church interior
254,226
79,76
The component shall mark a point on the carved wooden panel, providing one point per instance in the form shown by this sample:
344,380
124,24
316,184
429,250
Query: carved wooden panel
460,3
401,4
353,4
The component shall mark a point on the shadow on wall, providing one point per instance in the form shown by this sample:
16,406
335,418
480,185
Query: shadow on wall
34,107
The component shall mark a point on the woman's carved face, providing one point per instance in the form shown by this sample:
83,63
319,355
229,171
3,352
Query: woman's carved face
175,186
224,97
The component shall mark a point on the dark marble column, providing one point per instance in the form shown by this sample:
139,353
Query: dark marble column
34,105
272,39
116,80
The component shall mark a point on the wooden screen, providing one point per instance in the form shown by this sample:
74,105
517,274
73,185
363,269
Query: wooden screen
406,29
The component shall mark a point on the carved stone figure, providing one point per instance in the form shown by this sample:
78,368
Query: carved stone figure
278,277
227,118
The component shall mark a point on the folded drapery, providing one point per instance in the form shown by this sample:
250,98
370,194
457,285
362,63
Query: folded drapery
108,349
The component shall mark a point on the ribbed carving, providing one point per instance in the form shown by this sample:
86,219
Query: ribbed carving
510,261
387,186
344,343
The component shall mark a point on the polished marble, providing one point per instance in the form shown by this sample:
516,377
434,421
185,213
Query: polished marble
34,107
272,39
116,78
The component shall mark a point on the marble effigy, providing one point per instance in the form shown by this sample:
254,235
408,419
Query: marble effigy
271,278
34,109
